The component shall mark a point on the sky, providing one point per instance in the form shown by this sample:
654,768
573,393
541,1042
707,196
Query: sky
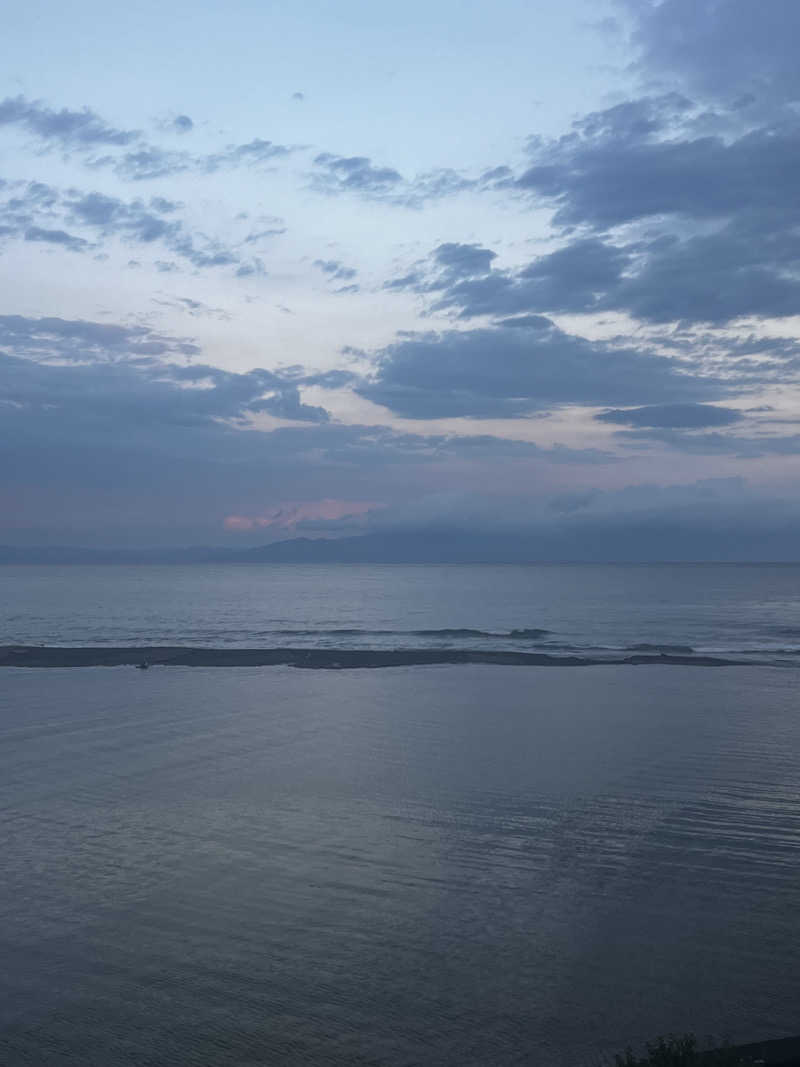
272,270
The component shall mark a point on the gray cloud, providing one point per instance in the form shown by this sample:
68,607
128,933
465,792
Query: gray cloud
359,176
233,155
148,162
96,357
577,277
711,519
335,270
30,204
152,161
633,162
715,444
195,308
105,429
255,266
140,400
56,237
85,132
112,215
721,210
439,184
741,52
330,379
274,230
131,448
69,129
35,209
146,223
78,340
741,269
677,416
464,260
750,267
496,372
353,173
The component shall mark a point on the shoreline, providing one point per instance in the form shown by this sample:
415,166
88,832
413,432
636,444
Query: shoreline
329,658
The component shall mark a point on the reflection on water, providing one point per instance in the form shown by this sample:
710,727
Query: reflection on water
453,865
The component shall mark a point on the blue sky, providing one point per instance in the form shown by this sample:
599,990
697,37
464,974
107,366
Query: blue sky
271,269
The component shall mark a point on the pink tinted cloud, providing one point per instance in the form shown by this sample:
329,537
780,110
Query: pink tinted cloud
290,514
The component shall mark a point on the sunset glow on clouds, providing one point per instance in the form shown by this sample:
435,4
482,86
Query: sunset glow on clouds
287,516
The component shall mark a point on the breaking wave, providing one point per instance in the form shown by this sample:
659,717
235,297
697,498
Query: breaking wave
527,634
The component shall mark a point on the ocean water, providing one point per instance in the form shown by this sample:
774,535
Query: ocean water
428,865
740,609
432,865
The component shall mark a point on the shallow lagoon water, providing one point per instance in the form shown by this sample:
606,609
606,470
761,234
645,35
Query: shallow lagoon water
451,865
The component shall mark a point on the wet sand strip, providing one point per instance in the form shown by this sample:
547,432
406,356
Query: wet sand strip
323,659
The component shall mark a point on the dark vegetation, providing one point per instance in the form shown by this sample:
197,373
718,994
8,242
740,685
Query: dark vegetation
684,1051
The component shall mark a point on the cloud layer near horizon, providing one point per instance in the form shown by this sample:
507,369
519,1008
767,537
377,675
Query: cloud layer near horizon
207,327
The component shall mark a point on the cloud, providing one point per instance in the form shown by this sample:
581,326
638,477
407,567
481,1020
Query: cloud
464,260
95,141
85,132
285,403
69,129
195,308
109,427
353,173
674,223
32,210
743,270
112,215
714,444
747,266
253,152
335,270
574,278
497,372
737,51
287,516
56,237
95,359
152,161
638,160
359,176
148,223
147,163
79,341
275,228
722,519
676,416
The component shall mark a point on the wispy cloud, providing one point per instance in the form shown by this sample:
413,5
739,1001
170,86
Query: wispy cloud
81,129
38,212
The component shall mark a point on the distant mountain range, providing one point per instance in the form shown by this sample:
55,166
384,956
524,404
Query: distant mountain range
436,547
643,543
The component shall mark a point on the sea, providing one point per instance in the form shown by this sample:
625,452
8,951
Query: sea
722,609
452,864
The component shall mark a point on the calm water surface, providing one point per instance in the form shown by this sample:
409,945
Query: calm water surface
750,609
450,865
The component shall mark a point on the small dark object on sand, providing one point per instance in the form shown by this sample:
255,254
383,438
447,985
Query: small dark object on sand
143,666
